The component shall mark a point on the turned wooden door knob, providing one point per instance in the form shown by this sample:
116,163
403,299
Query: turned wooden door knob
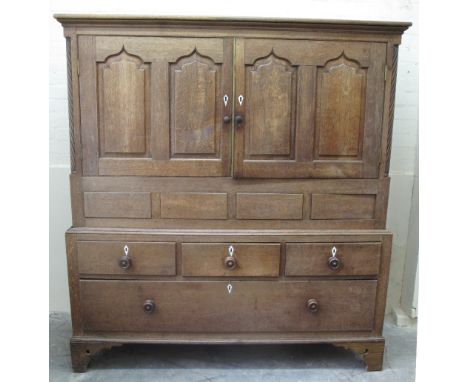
312,305
227,119
238,119
148,306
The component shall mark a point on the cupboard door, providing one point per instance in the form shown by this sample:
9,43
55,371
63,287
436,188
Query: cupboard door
154,106
310,109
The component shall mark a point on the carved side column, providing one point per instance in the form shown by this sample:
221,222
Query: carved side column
391,109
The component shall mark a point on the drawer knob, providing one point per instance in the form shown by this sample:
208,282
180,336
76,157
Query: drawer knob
334,263
125,261
230,262
148,306
312,305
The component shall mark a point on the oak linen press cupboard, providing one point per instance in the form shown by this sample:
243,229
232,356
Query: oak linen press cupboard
229,181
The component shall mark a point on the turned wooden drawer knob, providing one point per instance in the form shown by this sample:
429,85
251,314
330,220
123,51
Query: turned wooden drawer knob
334,263
312,305
125,261
148,306
230,262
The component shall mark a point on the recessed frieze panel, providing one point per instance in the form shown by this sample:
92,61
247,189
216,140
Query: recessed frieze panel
193,91
117,205
194,205
341,86
271,94
269,206
342,206
123,113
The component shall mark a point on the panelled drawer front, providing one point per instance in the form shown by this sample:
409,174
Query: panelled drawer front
312,259
269,206
135,205
250,306
341,206
210,259
103,257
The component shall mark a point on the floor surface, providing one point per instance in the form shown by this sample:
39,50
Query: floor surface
239,363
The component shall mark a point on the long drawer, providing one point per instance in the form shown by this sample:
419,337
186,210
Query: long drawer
231,306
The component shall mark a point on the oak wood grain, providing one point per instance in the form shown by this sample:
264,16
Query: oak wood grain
123,84
102,258
185,205
270,111
269,206
340,109
117,204
341,206
372,352
252,306
357,259
206,259
342,83
141,132
186,22
88,105
166,160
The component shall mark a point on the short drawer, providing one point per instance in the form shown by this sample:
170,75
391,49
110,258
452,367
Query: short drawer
315,259
119,258
223,259
230,306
